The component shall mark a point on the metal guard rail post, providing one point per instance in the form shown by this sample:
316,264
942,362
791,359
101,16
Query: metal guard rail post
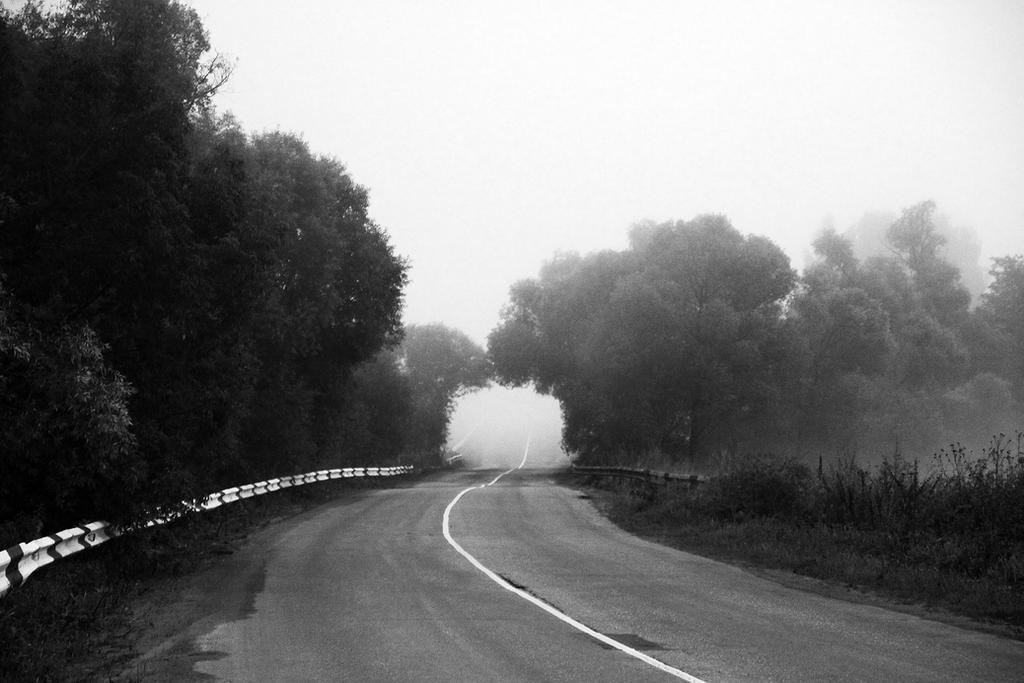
648,476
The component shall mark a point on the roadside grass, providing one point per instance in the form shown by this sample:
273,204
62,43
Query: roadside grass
949,540
73,620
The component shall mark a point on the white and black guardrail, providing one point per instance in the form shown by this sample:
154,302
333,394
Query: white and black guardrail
649,476
20,561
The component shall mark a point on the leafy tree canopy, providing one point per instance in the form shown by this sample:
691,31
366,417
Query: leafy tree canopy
216,290
655,347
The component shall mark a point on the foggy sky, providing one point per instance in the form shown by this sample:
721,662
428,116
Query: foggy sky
492,427
492,134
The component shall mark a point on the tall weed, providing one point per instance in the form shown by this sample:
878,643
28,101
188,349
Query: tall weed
758,486
950,533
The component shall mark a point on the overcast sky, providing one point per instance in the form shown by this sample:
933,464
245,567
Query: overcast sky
493,134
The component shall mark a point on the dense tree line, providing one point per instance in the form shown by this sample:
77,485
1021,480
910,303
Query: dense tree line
697,340
402,400
183,306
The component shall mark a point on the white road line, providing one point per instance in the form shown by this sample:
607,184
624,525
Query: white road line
466,437
526,451
610,642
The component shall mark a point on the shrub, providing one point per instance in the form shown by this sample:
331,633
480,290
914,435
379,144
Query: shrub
66,445
758,486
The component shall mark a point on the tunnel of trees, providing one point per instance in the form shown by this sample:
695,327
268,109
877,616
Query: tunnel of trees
186,306
698,340
183,305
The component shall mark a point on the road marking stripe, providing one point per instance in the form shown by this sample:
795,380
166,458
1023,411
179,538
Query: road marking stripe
464,439
596,635
526,451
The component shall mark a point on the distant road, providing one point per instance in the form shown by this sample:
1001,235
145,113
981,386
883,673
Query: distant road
369,589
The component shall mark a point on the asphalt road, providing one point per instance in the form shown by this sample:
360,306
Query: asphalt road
370,589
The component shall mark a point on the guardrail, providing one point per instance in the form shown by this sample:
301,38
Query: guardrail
20,561
649,476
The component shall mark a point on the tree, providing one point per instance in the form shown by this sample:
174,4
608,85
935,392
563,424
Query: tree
844,344
440,364
916,243
97,113
889,343
663,347
544,339
913,237
233,282
66,445
1001,315
722,294
979,408
333,289
837,260
378,413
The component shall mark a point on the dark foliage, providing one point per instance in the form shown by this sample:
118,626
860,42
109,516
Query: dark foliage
698,341
440,364
66,442
398,404
758,486
184,306
670,346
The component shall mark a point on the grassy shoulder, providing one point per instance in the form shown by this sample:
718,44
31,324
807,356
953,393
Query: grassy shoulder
950,544
79,619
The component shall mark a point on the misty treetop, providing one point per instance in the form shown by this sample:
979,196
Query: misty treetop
183,305
655,347
698,339
441,364
398,404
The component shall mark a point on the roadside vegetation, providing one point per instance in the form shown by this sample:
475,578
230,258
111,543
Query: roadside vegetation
698,340
185,306
946,534
698,345
79,619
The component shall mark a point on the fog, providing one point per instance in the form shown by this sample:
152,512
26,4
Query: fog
491,135
492,427
962,247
